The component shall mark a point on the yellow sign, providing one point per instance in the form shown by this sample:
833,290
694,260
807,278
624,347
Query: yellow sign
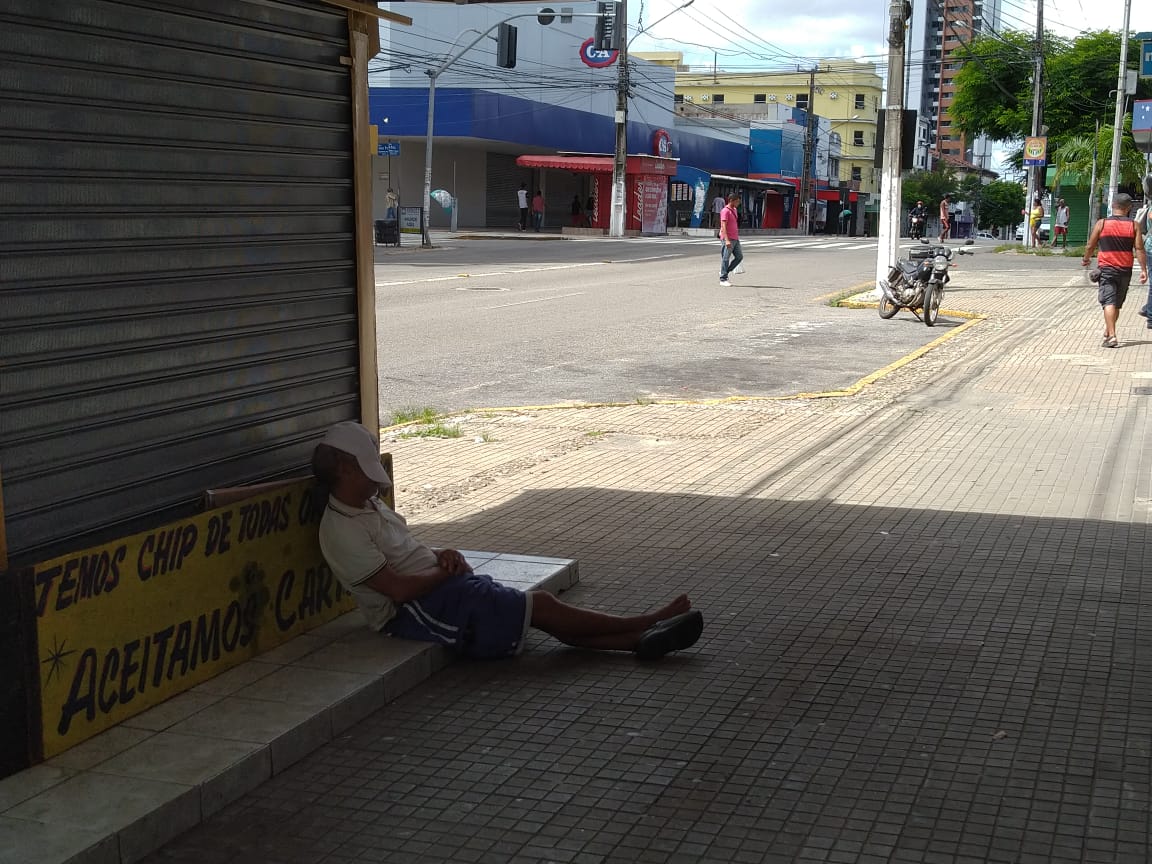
1035,150
127,625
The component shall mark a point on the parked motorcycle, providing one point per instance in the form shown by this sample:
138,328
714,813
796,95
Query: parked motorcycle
918,283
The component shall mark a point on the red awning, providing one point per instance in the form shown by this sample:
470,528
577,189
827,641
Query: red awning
827,194
593,164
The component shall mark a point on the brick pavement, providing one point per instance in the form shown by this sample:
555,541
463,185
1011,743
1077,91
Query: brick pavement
926,641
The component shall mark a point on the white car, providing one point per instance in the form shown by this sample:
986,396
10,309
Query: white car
1045,231
985,235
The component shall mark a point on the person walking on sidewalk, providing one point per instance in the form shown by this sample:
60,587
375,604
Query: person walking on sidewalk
405,589
1120,240
1034,219
731,254
537,210
944,224
718,205
522,202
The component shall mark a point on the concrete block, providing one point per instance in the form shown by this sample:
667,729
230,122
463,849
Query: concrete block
171,712
355,707
143,813
235,679
24,842
30,782
97,749
312,688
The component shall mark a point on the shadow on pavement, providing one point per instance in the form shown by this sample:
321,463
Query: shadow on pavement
878,683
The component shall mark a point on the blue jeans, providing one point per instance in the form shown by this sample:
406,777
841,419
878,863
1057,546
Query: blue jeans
537,220
730,258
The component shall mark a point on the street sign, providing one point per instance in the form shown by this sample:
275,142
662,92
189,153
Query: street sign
388,148
1146,59
1142,124
594,58
1035,152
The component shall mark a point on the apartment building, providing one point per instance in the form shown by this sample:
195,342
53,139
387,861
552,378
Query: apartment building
939,29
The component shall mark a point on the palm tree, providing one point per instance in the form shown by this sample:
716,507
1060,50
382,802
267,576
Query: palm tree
1088,158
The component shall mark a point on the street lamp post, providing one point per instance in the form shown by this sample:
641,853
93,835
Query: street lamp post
618,212
1121,100
434,74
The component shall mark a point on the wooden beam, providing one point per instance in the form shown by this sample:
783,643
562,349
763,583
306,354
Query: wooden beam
370,10
362,154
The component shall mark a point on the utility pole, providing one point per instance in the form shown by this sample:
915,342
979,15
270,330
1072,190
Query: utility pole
1121,102
809,140
1035,176
899,11
620,164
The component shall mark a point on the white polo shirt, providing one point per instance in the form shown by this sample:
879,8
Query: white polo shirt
357,542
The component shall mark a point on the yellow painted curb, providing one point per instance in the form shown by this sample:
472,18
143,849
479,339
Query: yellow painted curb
955,313
847,292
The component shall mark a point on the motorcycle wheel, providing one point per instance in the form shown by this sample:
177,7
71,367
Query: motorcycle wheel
887,308
931,304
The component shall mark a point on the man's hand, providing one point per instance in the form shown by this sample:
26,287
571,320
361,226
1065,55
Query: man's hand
452,562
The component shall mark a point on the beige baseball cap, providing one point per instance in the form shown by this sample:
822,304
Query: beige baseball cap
352,438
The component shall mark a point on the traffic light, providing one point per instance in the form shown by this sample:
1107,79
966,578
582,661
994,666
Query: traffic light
506,47
607,34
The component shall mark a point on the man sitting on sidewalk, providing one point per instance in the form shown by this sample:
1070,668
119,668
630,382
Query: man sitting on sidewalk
406,589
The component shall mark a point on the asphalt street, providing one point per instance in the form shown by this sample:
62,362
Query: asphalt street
519,321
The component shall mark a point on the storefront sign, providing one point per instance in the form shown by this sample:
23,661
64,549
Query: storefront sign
596,59
1035,152
652,195
124,626
661,144
410,219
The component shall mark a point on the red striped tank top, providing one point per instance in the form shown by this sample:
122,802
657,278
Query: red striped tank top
1117,238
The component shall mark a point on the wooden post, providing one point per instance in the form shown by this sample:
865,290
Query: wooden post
361,29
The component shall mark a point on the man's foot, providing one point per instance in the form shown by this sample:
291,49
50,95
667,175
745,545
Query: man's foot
739,269
673,634
724,283
1142,312
678,606
1111,342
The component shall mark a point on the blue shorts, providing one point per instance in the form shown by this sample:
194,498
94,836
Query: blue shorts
472,613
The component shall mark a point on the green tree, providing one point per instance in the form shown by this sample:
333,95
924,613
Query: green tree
1000,205
1076,154
994,85
929,186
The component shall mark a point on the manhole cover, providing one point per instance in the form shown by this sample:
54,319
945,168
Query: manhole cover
1142,391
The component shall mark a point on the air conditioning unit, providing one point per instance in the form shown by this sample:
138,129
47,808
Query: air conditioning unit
771,97
705,98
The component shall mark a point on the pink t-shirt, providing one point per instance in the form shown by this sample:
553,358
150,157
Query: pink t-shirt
730,223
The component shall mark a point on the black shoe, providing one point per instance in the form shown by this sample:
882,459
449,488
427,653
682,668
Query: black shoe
674,634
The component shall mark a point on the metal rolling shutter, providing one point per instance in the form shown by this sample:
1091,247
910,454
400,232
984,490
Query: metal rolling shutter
504,178
177,261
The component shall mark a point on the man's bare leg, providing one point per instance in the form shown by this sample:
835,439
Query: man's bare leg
1111,313
584,628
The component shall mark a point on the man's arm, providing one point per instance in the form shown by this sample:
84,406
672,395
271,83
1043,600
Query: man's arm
1141,255
724,230
1093,239
402,588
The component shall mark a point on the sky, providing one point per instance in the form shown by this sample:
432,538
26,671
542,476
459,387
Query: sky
746,35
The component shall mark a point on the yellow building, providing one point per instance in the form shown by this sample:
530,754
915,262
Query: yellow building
847,93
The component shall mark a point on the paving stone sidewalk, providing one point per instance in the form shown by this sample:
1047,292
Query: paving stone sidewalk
927,641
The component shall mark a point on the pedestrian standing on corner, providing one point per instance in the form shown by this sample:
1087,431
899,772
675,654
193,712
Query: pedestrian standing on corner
577,212
1120,240
1034,220
718,204
1060,228
537,210
590,211
730,252
522,201
944,224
